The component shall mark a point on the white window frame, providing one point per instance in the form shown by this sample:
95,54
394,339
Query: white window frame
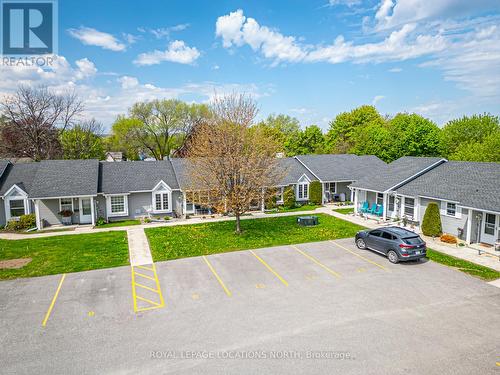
444,209
280,194
72,204
378,197
8,197
413,217
125,205
161,189
302,186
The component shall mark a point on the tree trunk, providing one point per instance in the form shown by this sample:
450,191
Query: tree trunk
238,223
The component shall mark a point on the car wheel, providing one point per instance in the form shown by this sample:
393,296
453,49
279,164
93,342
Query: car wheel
392,256
360,243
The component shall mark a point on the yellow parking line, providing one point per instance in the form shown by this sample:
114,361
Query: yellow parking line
270,269
146,287
317,262
360,256
158,286
44,323
217,276
145,276
148,301
144,268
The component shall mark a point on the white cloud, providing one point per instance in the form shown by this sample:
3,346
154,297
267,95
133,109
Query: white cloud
395,70
215,67
164,32
93,37
128,82
377,99
393,13
348,3
177,52
236,30
86,68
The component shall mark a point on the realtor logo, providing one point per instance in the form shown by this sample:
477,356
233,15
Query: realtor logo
29,27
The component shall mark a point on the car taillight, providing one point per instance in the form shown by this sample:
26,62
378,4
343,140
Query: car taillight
403,246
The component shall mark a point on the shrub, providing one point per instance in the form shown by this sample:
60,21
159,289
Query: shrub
166,218
289,197
147,220
271,200
100,221
24,222
448,238
431,225
315,192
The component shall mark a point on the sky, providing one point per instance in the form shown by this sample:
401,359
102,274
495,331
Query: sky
310,59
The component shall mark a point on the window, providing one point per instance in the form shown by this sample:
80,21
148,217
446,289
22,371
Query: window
489,224
117,204
66,204
303,191
391,203
388,236
380,198
16,207
161,201
376,233
451,209
409,207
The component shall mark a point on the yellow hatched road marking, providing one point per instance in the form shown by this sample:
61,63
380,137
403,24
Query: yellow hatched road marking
44,323
360,256
156,305
270,269
329,270
217,276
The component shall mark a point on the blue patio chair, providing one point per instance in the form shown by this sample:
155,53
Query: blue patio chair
380,210
372,209
364,208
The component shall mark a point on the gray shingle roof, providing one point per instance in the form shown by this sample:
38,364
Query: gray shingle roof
21,175
3,166
65,178
472,184
342,167
396,172
127,176
294,171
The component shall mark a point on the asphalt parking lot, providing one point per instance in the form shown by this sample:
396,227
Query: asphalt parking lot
319,308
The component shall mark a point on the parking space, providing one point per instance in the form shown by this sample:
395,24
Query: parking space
324,296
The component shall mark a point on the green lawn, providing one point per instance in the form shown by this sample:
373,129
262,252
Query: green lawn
122,223
306,207
344,211
202,239
68,253
473,269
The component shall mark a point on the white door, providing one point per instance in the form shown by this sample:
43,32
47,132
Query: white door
490,223
85,211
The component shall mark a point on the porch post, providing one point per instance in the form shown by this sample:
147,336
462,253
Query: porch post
356,194
384,206
352,195
92,210
468,235
263,204
37,215
323,193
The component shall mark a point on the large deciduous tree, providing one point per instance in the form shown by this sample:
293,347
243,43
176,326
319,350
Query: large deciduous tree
309,141
34,117
280,128
231,161
83,141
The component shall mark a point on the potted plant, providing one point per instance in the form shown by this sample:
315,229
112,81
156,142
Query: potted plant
66,216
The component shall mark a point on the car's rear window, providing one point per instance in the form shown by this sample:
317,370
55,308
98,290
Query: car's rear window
412,240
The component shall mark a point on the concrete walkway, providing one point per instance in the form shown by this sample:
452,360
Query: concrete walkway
138,247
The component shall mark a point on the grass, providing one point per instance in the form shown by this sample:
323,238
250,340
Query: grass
61,254
305,207
344,211
122,223
470,268
202,239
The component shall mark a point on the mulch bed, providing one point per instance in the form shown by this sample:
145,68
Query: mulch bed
14,263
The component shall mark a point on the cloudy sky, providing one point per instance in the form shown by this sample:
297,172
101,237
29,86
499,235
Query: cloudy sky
311,59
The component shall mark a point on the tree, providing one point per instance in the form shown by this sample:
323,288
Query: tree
280,128
289,197
83,141
315,192
164,125
374,139
431,224
487,151
122,137
231,161
467,130
33,119
341,137
412,135
309,141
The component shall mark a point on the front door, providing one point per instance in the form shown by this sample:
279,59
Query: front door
85,211
490,223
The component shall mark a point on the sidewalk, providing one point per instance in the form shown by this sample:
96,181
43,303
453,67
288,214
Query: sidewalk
138,247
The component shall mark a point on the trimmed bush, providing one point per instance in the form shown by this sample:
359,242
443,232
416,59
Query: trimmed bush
289,197
431,224
24,222
315,192
448,238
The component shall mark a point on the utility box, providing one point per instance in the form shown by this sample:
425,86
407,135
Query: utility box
307,221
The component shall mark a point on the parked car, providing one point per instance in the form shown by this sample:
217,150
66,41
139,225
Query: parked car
397,244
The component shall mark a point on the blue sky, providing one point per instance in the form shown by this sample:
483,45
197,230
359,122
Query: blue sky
309,59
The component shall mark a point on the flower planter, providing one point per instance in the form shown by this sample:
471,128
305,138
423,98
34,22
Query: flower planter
66,220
